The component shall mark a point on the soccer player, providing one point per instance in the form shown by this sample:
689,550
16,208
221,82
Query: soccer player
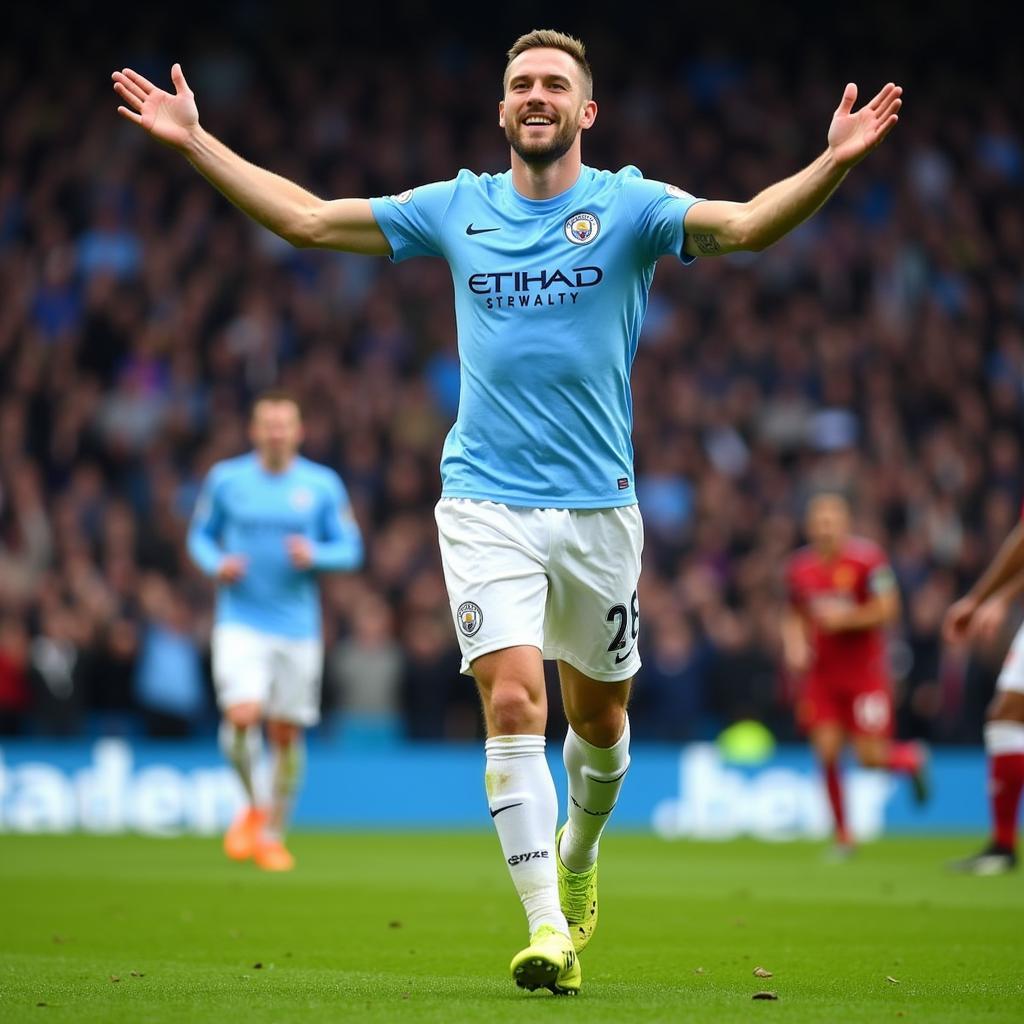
540,535
842,595
266,524
978,615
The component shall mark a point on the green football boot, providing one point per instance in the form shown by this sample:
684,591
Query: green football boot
577,894
550,962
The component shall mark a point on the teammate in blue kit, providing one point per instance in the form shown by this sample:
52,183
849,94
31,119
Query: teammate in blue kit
539,529
265,525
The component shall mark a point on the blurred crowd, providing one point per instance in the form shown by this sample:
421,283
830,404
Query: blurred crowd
879,348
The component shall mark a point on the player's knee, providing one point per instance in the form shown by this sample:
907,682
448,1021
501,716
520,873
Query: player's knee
600,727
871,756
513,708
827,747
282,734
243,716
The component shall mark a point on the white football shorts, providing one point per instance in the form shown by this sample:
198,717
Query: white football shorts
562,580
282,673
1011,677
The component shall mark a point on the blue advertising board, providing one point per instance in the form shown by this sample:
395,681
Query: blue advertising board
172,788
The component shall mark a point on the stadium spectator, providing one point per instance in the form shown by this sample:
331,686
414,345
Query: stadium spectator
168,675
879,348
367,669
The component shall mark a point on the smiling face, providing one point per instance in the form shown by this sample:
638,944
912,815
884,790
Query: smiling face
545,106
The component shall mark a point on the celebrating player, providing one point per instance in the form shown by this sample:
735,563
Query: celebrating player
539,529
265,525
978,615
842,595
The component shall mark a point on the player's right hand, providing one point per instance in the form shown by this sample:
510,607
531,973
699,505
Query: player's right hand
231,569
173,119
956,626
989,619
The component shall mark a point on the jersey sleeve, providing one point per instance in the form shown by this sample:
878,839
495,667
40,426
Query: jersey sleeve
412,220
880,577
658,210
204,530
338,544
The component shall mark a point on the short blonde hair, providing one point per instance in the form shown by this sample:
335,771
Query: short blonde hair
274,396
549,39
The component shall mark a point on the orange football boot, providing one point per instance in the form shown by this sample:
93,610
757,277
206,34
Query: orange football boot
242,838
271,855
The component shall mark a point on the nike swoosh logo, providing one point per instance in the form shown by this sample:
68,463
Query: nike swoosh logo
470,230
620,658
507,807
594,814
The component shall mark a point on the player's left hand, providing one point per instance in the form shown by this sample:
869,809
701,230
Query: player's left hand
831,618
300,551
851,136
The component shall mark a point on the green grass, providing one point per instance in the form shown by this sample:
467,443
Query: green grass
421,928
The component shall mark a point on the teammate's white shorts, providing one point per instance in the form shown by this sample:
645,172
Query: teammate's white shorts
1011,678
561,580
279,672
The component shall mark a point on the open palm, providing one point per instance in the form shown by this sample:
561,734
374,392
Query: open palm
851,136
170,118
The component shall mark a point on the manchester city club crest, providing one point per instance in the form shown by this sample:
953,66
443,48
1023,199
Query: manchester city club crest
301,499
582,227
470,618
678,193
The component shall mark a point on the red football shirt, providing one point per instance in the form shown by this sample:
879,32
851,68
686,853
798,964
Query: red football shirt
854,659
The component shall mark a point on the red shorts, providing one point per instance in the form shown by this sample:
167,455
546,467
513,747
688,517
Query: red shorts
862,711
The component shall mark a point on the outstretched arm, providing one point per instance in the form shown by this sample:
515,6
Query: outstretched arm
278,204
714,227
1000,583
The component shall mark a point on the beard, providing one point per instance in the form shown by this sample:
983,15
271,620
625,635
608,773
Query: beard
538,153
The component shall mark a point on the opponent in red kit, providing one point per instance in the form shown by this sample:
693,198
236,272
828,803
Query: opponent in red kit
979,615
842,595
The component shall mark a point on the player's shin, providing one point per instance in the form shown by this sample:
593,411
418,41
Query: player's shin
834,787
243,746
595,777
1004,744
289,769
522,801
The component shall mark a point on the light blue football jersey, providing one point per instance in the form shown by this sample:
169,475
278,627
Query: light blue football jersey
550,295
243,509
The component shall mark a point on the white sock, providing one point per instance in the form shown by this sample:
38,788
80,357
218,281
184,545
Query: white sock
289,764
521,797
595,778
243,747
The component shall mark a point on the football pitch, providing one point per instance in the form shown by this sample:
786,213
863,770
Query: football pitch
420,927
